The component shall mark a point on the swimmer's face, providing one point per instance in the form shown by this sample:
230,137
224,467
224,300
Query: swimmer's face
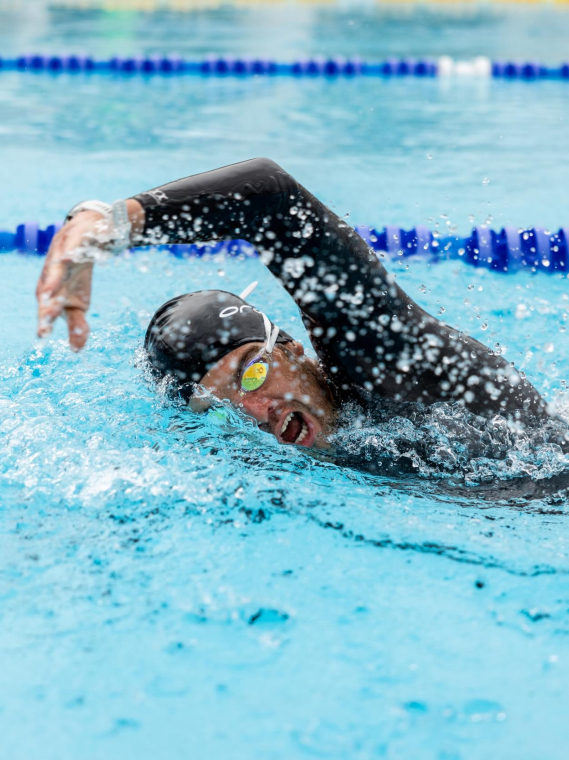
293,403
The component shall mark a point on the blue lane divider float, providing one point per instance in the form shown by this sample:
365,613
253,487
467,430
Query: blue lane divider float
507,250
309,67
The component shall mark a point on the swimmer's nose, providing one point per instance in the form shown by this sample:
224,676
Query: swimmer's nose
258,407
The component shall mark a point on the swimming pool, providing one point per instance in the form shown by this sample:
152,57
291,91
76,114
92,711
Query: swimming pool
170,588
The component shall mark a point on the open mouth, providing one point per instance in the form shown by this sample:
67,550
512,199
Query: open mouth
295,428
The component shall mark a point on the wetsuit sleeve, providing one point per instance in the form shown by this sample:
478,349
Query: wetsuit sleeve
367,332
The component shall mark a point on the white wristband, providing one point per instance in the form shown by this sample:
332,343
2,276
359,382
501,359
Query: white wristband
105,209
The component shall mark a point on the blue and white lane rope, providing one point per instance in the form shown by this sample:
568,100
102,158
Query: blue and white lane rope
507,250
309,67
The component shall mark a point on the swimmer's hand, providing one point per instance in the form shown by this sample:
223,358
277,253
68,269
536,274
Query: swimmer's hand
64,287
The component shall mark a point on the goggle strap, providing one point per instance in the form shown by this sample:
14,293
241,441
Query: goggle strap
248,290
272,340
269,332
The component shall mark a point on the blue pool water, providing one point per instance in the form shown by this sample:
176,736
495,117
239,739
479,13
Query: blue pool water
174,587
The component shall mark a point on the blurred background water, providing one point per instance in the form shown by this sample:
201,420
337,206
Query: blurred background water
175,587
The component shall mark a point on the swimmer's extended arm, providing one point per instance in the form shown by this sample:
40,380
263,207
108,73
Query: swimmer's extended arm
366,330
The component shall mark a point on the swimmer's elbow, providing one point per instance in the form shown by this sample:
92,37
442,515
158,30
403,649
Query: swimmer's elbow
266,167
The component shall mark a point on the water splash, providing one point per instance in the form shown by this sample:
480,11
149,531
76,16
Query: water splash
447,443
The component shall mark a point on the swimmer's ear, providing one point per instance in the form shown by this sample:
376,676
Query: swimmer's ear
295,347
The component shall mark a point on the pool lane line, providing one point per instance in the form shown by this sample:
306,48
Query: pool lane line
465,9
330,68
507,250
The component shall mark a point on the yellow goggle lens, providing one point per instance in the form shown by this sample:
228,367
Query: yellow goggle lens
254,376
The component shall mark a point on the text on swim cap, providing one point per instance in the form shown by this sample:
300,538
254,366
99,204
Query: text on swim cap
229,311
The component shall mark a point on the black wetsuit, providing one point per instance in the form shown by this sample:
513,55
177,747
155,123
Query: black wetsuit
374,341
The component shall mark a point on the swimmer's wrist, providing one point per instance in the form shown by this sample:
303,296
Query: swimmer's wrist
120,227
137,218
114,233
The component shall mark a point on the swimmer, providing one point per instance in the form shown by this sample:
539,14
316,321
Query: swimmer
375,345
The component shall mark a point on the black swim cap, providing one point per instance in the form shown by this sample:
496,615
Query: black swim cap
190,333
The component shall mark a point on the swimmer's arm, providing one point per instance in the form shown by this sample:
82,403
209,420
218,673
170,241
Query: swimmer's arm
64,286
329,270
365,328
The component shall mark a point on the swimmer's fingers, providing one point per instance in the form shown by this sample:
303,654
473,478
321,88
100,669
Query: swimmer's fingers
77,326
68,288
50,299
65,281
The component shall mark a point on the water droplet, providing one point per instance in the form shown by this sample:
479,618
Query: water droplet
485,181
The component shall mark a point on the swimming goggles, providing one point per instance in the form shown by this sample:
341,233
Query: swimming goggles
257,369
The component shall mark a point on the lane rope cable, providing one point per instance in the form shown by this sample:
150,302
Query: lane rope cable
334,67
507,250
